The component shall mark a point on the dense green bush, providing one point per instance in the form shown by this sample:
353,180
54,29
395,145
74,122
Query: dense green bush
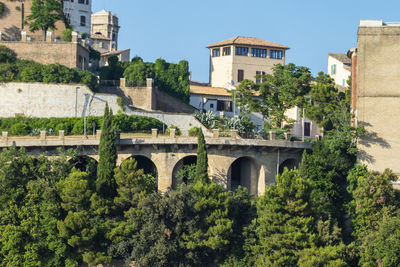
74,126
168,77
194,131
13,70
177,130
2,9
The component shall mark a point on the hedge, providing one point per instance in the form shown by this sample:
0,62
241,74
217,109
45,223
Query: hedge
74,126
13,70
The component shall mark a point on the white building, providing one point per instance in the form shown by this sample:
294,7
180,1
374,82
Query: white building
78,14
339,68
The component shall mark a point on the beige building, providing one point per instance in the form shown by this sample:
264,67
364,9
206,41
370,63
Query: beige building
339,68
376,94
104,36
240,58
104,31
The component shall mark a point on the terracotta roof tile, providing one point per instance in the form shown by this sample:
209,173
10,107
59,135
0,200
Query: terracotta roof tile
216,91
341,57
247,41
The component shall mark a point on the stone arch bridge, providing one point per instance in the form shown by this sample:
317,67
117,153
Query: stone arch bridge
232,161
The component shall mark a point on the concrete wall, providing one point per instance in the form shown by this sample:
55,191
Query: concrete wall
69,54
52,100
342,74
378,94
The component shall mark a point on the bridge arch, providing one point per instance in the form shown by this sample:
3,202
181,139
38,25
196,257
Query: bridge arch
245,171
146,164
289,163
179,166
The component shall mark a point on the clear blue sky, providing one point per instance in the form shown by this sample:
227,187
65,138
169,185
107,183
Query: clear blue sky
181,29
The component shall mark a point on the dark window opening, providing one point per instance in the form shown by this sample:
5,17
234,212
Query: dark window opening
83,21
225,106
226,51
241,51
240,75
216,52
276,54
307,129
258,52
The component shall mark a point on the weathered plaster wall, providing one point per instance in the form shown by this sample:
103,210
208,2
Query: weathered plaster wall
52,100
378,96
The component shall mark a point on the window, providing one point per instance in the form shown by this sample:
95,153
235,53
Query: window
258,52
101,44
333,69
241,51
226,51
240,75
87,2
276,54
225,106
216,52
83,21
259,76
68,17
211,105
344,82
81,1
307,129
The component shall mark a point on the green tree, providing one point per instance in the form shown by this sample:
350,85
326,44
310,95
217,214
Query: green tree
373,198
381,247
164,220
202,160
329,107
285,224
286,88
6,55
44,15
329,256
105,183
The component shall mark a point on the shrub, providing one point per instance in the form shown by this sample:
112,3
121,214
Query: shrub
177,130
2,9
12,70
67,35
194,131
123,122
6,55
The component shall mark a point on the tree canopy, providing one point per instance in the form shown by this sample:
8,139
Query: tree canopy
44,15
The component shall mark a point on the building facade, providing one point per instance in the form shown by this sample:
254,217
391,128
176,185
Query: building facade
104,31
377,95
78,14
240,58
339,68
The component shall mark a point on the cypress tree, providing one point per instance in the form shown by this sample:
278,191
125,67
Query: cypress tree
202,161
105,183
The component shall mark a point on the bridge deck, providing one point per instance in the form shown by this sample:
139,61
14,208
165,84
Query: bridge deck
55,141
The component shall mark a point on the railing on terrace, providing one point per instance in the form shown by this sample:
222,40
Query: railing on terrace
233,134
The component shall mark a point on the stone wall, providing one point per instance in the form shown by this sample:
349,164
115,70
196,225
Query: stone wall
151,99
378,94
52,100
69,54
60,100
